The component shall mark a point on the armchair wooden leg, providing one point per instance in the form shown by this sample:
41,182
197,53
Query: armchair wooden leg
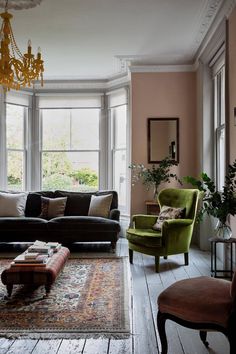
161,320
131,256
203,336
157,263
186,258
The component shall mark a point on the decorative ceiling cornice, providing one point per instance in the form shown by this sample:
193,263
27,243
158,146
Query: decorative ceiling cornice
20,4
211,9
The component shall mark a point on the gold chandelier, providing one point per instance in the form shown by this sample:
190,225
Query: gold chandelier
16,69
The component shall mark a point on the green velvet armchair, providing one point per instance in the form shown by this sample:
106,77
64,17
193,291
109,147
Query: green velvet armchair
175,235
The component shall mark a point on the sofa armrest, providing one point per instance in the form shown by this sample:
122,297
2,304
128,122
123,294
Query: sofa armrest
142,221
114,214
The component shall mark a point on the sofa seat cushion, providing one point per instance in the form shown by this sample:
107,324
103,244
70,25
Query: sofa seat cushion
199,300
144,237
85,223
21,223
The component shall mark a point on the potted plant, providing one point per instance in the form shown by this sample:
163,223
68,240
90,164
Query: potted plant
219,204
154,176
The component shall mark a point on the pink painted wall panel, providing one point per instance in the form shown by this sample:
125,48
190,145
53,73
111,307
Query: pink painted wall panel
163,95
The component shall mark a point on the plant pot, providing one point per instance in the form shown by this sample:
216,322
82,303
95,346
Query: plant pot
223,230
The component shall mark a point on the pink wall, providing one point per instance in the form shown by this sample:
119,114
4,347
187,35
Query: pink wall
232,93
162,95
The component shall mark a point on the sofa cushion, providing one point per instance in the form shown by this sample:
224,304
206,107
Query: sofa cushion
100,205
19,224
52,207
78,203
144,237
33,203
166,213
83,223
114,203
12,204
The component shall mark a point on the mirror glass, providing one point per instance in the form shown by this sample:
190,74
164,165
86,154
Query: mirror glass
163,139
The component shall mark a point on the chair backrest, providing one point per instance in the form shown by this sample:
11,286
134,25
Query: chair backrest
180,198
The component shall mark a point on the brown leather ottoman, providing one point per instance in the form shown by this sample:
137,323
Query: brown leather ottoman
36,275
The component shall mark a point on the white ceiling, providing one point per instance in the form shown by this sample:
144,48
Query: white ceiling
88,39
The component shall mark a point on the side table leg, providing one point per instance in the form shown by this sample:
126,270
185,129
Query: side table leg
9,289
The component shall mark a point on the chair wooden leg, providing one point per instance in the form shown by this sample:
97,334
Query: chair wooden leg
130,256
157,263
203,336
165,257
186,258
161,320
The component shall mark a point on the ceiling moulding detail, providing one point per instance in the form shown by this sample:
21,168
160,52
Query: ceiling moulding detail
72,85
224,12
160,68
19,4
205,21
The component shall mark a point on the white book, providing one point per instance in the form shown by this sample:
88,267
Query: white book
31,255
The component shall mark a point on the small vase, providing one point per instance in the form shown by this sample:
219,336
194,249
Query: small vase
223,230
155,193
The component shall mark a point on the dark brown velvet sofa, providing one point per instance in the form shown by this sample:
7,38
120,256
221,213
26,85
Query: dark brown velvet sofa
74,226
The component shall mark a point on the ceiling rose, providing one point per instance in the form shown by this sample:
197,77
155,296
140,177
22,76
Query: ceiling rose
19,4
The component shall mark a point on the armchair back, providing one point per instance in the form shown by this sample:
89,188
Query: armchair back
180,198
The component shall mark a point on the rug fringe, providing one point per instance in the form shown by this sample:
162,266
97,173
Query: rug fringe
63,335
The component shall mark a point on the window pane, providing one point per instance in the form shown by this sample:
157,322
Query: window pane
76,171
222,98
119,121
56,129
120,177
15,126
85,129
15,170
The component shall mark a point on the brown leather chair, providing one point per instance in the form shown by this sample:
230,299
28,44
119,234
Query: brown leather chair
203,303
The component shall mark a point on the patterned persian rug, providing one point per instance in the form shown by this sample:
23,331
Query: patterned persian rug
90,298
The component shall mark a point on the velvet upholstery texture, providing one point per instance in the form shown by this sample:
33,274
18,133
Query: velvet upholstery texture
175,235
75,226
203,303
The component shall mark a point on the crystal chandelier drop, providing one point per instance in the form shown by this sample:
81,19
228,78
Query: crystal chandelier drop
16,69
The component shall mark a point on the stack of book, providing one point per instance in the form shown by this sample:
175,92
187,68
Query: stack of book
37,255
44,248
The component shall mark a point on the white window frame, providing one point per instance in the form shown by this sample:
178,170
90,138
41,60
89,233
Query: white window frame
102,138
218,72
24,150
113,148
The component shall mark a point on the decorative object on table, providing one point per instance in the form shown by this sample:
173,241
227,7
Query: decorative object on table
219,204
16,69
89,299
154,176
